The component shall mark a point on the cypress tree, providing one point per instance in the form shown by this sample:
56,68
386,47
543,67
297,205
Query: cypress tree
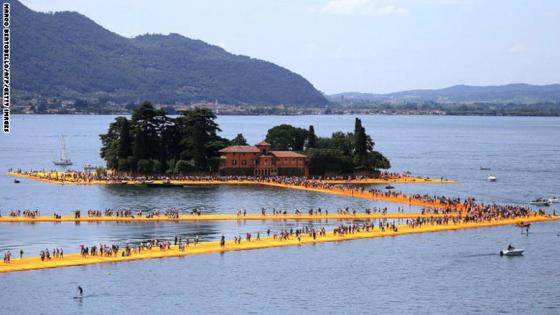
125,143
360,143
311,138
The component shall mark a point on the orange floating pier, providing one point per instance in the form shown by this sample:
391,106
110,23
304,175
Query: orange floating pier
71,178
34,263
315,186
221,217
389,197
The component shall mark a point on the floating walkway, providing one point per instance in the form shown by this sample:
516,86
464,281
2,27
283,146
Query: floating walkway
314,186
221,217
380,196
34,263
62,178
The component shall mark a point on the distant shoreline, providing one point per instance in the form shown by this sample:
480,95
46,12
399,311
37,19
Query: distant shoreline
318,114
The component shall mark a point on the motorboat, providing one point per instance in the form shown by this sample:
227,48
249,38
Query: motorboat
492,178
389,187
89,168
16,181
165,183
553,200
512,251
540,202
485,168
162,185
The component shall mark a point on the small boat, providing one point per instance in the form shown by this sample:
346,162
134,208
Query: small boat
64,160
553,200
492,178
512,251
166,184
122,182
389,187
540,202
89,168
485,168
16,181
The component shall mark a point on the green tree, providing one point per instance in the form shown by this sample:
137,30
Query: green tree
239,140
123,165
199,138
182,167
148,124
286,137
328,161
311,138
171,166
113,143
360,144
377,160
344,142
145,166
125,142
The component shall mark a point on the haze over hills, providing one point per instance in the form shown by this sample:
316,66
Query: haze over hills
511,93
67,55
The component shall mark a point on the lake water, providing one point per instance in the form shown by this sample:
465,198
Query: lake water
447,272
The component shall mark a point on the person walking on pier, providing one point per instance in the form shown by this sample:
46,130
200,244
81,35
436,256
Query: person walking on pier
223,241
7,257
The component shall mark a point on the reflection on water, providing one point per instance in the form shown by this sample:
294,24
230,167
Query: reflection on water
33,237
445,272
450,272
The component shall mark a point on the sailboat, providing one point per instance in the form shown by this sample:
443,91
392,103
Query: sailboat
64,160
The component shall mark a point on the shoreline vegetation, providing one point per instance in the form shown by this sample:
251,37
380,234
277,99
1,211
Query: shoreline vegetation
545,109
153,143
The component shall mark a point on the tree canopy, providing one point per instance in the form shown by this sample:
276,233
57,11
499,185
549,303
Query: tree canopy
152,142
286,137
239,140
344,153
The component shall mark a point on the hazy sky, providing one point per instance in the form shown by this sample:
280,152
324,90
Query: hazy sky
359,45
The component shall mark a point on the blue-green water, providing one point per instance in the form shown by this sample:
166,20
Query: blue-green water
433,273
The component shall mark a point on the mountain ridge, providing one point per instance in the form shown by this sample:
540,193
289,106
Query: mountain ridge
68,55
521,93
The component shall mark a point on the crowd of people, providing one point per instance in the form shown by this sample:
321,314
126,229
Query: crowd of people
88,177
24,213
56,253
456,207
477,213
446,211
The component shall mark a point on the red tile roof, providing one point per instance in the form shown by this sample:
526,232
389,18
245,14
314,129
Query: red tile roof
287,154
240,149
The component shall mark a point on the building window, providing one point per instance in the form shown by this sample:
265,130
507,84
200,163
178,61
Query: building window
243,162
233,162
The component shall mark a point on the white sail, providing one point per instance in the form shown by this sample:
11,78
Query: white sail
62,149
64,160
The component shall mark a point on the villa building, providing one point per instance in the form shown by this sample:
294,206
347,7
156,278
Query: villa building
260,160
